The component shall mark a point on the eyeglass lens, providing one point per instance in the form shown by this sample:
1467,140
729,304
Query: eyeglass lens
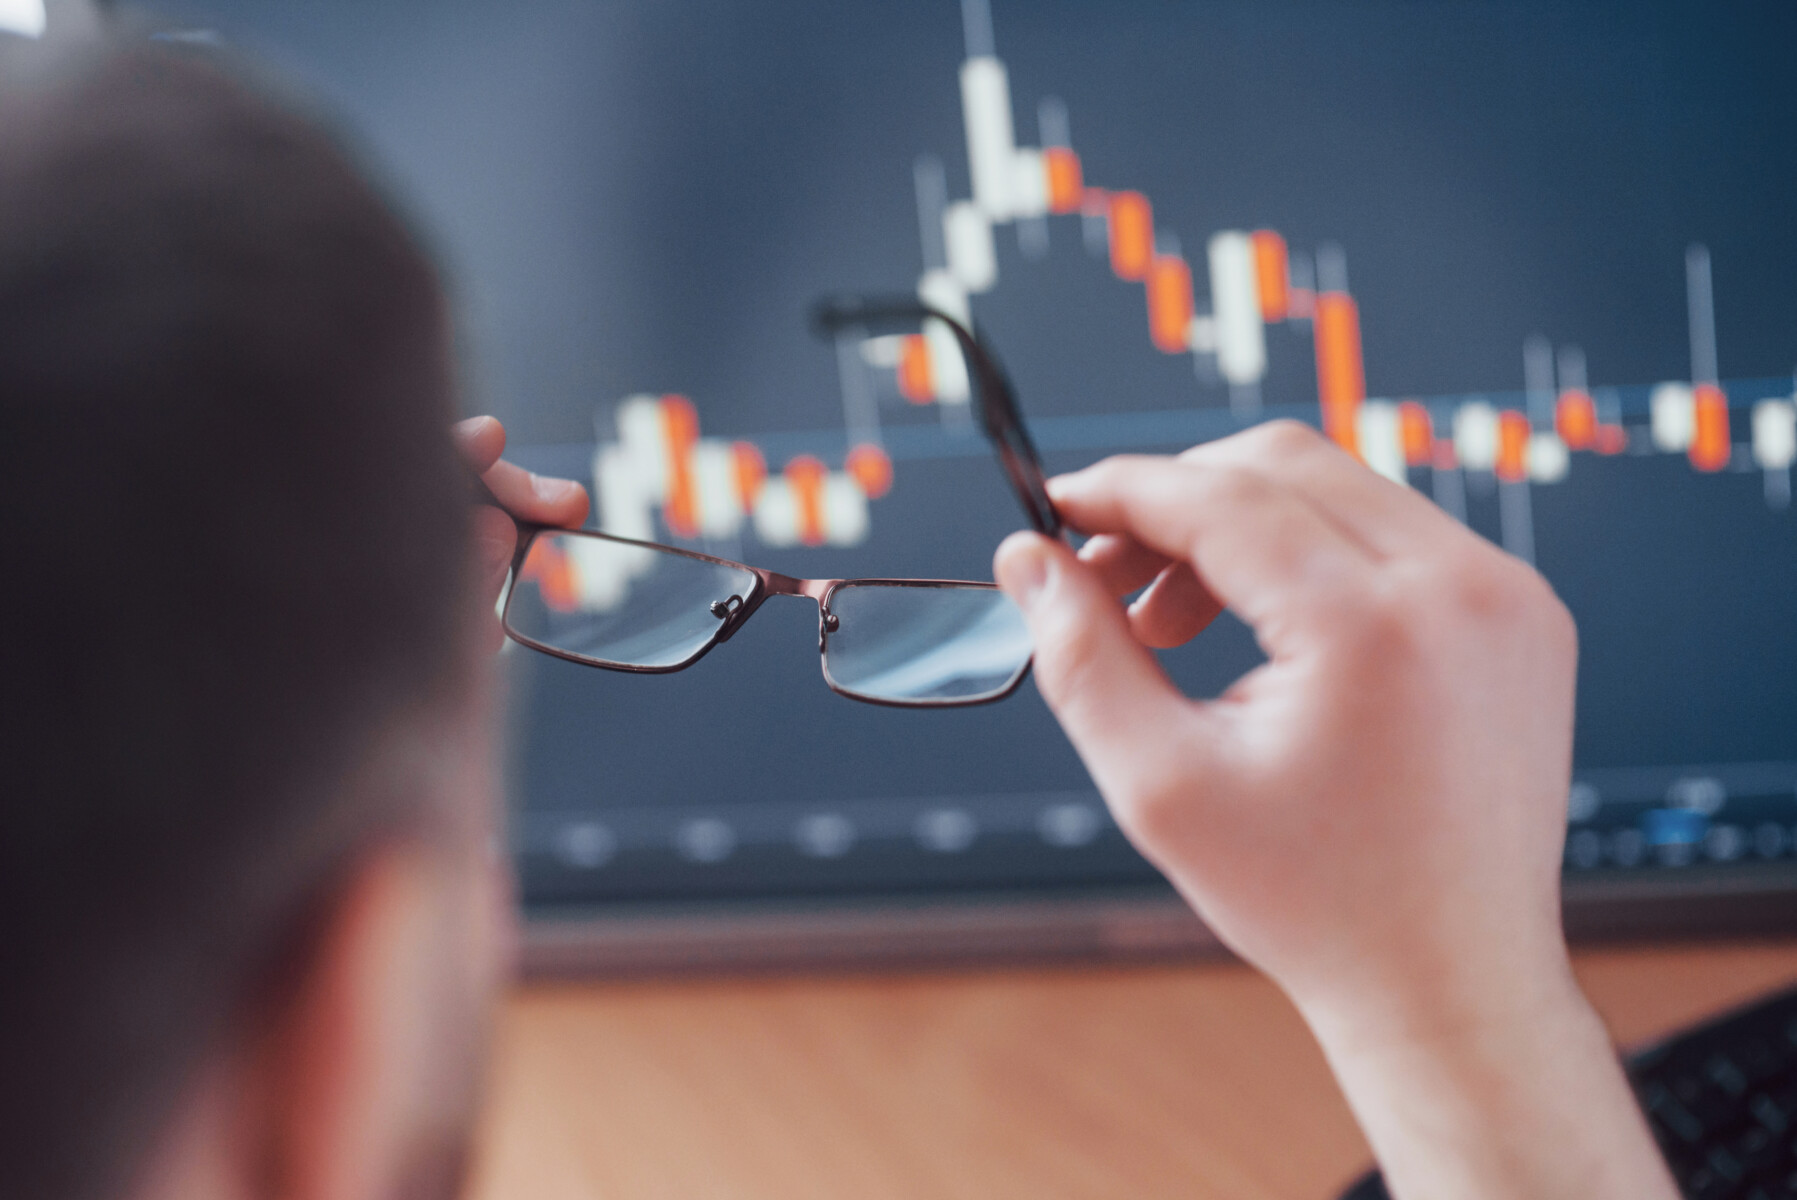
921,644
620,604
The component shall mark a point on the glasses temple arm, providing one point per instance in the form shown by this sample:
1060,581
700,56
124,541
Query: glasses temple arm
1000,418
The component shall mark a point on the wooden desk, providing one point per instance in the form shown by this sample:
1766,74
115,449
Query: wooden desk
1191,1081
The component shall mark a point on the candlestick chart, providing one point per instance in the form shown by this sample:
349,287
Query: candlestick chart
656,462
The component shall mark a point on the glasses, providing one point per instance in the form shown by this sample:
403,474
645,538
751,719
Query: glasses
627,605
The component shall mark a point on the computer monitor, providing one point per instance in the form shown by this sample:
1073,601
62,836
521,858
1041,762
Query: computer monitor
1534,260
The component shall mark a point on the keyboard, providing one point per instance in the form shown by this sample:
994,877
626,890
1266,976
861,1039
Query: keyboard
1722,1102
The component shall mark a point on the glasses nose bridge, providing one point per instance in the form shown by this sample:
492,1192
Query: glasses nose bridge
816,590
786,585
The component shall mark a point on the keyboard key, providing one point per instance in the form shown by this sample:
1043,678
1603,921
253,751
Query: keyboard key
1726,1075
1768,1113
1724,1163
1671,1115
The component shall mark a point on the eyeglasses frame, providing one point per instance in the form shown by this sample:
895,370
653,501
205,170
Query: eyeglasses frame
767,583
1001,421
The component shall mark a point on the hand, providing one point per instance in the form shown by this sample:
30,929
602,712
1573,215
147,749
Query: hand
536,498
1375,815
1388,791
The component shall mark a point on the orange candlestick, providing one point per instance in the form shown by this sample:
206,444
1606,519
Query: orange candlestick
916,381
807,476
1170,304
1066,184
1417,433
751,472
1710,443
1132,234
1341,375
871,468
1513,446
680,430
1272,275
1575,419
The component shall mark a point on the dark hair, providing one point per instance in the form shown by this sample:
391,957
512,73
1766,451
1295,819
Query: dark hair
233,527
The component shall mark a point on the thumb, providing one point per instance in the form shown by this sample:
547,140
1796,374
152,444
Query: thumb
1119,709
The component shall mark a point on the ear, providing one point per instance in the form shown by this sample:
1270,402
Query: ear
338,1077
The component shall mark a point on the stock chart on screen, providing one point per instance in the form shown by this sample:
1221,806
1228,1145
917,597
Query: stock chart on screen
1535,261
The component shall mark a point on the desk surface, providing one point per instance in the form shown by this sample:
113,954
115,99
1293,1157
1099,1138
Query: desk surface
1198,1081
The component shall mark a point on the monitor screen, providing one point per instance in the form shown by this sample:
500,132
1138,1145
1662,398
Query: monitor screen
1534,260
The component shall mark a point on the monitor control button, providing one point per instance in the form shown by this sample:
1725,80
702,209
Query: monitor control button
946,830
1069,825
587,845
824,835
705,840
1724,843
1582,802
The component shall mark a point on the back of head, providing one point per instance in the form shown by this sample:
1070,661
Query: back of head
233,527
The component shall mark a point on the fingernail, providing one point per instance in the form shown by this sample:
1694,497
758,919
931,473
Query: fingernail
551,490
1026,570
472,426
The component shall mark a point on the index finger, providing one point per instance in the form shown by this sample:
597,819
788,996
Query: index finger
1256,545
1175,608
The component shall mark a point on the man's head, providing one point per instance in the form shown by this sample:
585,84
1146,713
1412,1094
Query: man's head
244,759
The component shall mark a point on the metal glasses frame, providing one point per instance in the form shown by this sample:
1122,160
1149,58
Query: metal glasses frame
1002,423
734,612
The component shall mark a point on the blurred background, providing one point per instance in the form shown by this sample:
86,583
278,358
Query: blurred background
1533,259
